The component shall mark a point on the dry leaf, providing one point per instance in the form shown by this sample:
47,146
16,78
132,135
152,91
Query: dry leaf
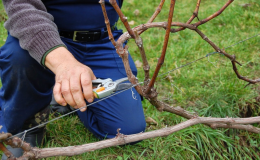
149,120
132,22
136,12
245,5
169,78
138,64
131,1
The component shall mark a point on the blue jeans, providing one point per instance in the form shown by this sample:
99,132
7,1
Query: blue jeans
27,88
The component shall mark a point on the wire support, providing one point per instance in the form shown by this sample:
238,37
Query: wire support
207,55
242,41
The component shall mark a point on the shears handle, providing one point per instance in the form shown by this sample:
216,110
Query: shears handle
96,92
104,87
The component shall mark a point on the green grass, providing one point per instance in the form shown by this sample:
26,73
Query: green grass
208,87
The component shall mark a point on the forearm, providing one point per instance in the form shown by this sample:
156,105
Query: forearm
32,25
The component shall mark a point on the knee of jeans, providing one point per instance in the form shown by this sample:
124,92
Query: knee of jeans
134,128
14,56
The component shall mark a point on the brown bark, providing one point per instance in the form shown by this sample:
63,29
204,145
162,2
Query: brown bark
213,15
194,15
122,18
157,11
165,44
121,139
8,154
111,37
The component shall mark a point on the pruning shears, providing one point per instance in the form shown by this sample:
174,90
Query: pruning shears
106,87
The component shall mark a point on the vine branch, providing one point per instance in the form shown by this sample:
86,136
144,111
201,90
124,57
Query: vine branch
165,44
121,139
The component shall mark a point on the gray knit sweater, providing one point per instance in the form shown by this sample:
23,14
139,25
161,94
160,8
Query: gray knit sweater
32,25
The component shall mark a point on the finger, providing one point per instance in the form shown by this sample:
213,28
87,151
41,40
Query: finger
57,94
65,90
93,77
76,91
86,82
83,109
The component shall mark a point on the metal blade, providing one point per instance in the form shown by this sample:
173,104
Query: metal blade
123,86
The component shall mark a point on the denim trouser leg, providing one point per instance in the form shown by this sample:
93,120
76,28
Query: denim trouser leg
26,86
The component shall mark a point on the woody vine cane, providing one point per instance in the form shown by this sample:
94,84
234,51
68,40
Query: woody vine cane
148,90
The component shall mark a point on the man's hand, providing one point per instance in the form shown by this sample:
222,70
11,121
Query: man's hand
72,77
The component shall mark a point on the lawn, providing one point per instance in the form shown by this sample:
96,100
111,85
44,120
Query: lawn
208,87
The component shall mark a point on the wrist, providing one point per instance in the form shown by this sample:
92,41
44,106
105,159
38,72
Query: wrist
46,53
57,57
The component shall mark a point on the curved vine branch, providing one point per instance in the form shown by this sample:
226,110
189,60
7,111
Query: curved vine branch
121,139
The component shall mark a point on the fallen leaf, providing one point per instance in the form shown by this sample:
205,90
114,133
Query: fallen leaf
245,5
136,12
169,78
131,1
149,120
132,22
138,64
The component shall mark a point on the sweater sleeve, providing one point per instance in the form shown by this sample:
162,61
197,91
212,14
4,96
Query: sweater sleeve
29,21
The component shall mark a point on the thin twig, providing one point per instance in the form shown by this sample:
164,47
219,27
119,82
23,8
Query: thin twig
146,67
8,154
111,37
155,14
217,49
122,17
165,44
157,11
194,15
213,15
242,77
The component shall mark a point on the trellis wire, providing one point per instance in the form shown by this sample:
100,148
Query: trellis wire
209,54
